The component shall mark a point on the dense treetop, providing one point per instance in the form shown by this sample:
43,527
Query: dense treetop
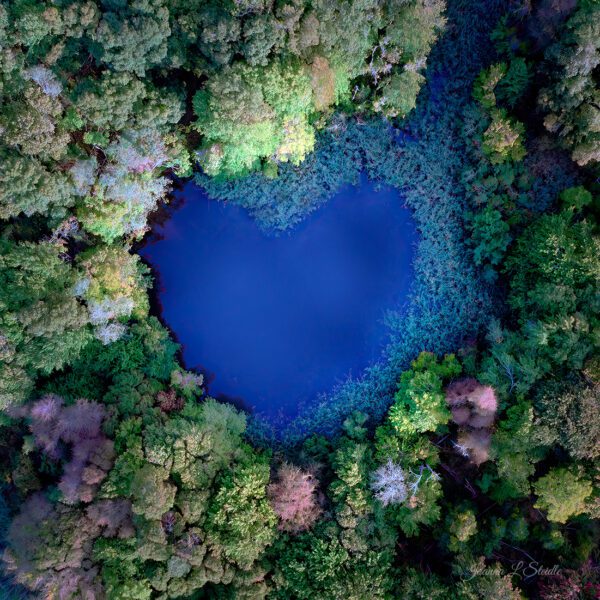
476,445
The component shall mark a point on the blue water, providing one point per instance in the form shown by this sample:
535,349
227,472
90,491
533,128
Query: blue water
275,321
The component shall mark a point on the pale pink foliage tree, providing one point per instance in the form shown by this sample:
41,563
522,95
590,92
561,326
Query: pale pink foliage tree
473,406
44,424
50,546
476,443
82,475
293,496
56,427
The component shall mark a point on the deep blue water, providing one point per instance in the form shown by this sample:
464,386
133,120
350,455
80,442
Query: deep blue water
274,321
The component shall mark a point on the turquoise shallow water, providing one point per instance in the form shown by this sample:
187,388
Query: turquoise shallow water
273,321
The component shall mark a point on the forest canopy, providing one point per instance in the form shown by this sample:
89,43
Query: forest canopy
470,450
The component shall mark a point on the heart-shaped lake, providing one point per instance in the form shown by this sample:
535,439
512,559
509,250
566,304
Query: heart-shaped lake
276,320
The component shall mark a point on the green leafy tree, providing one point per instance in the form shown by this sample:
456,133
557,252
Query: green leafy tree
346,35
484,88
32,124
153,495
133,36
553,269
399,93
262,35
516,447
109,102
119,100
42,324
461,525
200,493
121,203
569,410
420,402
28,187
562,493
319,565
415,27
415,584
503,139
247,114
113,284
479,581
571,99
576,198
514,84
241,522
197,444
491,236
